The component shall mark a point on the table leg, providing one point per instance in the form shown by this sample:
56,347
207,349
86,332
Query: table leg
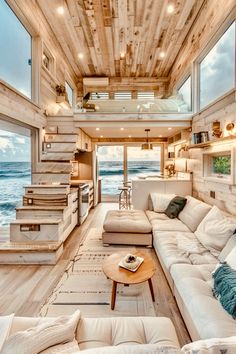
151,289
113,295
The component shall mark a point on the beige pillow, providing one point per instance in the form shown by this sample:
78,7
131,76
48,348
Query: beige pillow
66,348
215,230
227,248
193,212
211,346
161,201
36,339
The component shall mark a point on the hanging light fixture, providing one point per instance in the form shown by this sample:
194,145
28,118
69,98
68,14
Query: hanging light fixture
147,145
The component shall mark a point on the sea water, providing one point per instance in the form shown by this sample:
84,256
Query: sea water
13,177
112,173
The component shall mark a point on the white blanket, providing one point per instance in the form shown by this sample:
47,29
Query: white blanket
5,326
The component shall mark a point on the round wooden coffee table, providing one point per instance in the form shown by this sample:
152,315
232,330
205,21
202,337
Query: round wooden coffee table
119,275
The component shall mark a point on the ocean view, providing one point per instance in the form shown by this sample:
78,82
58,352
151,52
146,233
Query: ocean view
13,177
112,173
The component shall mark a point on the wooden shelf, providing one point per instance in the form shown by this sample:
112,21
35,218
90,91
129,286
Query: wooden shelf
210,142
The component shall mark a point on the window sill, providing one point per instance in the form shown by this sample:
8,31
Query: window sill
222,180
18,93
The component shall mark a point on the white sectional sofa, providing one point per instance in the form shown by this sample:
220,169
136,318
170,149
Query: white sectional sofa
188,267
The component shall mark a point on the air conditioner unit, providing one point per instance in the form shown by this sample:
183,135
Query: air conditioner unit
95,81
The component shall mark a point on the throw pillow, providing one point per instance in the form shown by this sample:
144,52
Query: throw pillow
36,339
193,213
211,346
161,201
175,206
66,348
225,288
215,230
231,243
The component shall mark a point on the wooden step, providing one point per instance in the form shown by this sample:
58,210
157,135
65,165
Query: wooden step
58,156
46,253
47,189
59,146
63,138
50,178
62,167
36,230
45,199
42,212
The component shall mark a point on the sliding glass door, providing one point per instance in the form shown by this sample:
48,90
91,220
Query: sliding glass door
111,169
143,163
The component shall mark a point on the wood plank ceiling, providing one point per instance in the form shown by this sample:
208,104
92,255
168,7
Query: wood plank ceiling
121,38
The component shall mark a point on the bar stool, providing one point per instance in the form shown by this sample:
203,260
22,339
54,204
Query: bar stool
124,197
129,185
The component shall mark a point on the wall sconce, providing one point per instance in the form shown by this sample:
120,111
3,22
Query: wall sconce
48,146
216,130
230,128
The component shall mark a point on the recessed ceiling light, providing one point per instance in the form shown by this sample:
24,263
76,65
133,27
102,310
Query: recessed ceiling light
170,8
97,128
121,128
122,54
162,54
160,136
130,136
60,10
101,136
80,55
169,128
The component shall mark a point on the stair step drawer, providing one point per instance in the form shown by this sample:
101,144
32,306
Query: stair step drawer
49,178
35,232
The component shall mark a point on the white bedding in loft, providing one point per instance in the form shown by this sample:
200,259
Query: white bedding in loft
173,104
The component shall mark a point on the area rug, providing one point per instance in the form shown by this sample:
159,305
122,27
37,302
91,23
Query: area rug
85,286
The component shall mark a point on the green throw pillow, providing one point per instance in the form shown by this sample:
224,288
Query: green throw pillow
175,206
225,288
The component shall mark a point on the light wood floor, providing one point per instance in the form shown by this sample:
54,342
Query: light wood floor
23,289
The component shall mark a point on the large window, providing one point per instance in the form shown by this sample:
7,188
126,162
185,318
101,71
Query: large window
15,51
186,94
217,69
15,171
69,92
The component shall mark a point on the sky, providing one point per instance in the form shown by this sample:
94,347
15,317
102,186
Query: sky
14,147
217,68
115,153
15,49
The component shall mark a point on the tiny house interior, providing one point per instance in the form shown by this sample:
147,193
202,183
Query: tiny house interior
109,111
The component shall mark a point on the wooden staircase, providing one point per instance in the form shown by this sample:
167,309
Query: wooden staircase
49,210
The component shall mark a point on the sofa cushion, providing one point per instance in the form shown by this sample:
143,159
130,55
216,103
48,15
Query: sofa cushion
117,331
193,283
215,230
160,201
50,332
193,212
133,349
231,244
175,206
133,221
167,245
161,222
211,346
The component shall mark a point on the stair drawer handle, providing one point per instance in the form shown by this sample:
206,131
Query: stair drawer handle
75,200
29,227
75,211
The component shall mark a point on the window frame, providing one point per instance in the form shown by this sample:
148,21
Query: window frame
68,82
210,45
35,51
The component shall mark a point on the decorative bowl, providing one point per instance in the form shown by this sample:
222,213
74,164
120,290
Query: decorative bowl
130,261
